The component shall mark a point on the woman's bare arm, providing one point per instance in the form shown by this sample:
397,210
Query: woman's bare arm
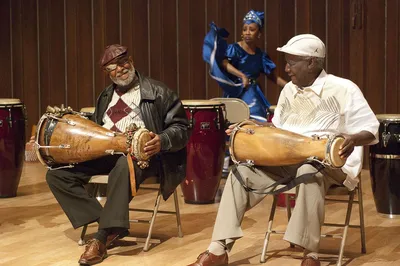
234,71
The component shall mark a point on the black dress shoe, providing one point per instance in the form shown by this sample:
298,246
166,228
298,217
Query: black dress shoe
114,236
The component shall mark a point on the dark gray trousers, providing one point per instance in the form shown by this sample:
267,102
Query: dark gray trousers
68,188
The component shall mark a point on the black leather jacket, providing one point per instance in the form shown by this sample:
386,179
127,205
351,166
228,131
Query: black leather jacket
162,113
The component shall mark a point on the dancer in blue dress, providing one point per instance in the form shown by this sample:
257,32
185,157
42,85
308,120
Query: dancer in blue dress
237,66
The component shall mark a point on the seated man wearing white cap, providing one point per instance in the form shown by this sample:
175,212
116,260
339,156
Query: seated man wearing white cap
313,101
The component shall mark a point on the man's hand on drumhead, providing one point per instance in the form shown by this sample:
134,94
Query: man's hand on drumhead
347,146
153,146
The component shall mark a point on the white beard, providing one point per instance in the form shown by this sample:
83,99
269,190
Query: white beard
124,82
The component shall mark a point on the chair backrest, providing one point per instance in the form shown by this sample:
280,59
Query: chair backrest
236,109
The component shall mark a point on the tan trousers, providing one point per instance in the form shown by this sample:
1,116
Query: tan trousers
304,227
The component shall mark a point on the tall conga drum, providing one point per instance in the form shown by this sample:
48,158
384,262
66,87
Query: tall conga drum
12,145
205,150
385,166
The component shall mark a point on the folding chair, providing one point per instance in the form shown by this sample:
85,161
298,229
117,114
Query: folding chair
236,109
339,190
103,179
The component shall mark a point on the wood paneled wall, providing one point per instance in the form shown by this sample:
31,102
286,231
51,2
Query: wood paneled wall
50,48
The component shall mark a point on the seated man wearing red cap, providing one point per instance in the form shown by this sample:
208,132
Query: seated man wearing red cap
131,98
314,102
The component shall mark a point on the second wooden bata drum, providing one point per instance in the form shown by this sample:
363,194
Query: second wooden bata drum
385,166
270,146
205,150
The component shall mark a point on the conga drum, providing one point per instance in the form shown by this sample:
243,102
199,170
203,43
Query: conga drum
385,166
12,145
205,150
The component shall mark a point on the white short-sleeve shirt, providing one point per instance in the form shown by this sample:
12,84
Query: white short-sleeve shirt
330,105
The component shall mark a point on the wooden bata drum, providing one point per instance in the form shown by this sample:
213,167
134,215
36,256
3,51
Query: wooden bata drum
12,145
269,146
385,166
205,150
72,138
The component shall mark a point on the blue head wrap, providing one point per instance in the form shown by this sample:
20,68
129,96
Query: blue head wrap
254,17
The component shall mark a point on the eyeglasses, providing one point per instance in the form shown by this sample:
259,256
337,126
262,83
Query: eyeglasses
292,63
120,62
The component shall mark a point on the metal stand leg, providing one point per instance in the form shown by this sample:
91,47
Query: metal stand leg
178,214
268,234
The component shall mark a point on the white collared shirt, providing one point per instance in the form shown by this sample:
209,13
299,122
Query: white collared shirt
330,105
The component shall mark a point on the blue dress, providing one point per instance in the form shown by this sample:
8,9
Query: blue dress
215,50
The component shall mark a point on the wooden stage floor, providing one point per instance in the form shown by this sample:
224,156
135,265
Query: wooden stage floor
35,231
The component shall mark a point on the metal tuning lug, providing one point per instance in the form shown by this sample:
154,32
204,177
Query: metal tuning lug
386,138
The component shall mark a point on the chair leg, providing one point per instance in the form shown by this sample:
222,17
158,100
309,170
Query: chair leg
362,225
153,218
288,211
178,214
346,227
81,241
268,234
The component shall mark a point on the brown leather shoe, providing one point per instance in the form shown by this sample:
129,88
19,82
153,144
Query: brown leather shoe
208,259
95,252
309,261
114,236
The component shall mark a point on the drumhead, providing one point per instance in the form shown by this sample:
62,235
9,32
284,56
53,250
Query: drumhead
87,110
200,103
388,117
140,138
334,157
6,101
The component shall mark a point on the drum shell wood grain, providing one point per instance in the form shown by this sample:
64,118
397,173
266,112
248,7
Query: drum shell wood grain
87,141
270,146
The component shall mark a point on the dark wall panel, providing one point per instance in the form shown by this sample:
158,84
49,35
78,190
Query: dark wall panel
5,48
17,49
392,79
155,41
272,33
184,49
71,16
99,40
196,34
334,38
30,89
85,59
374,75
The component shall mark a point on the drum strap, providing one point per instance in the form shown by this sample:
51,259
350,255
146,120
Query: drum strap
132,177
289,181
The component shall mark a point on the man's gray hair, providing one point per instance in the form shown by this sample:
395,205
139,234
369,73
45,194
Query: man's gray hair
319,62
